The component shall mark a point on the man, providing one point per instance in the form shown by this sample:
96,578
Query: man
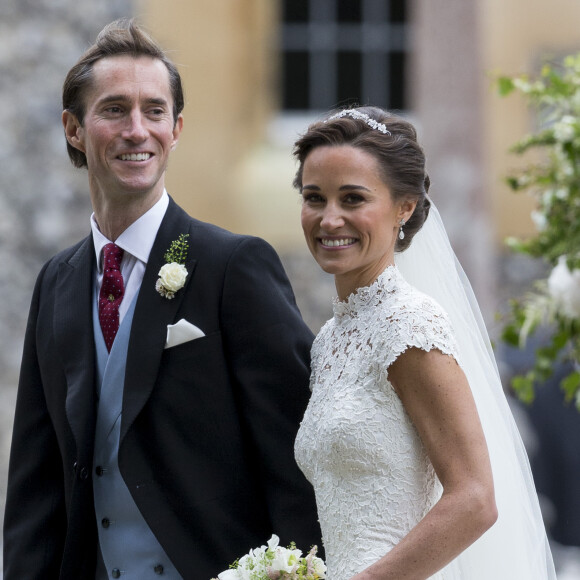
157,408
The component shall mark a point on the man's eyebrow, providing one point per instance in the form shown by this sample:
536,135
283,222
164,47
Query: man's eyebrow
124,98
113,98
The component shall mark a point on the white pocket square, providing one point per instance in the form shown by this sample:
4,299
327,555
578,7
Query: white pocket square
181,332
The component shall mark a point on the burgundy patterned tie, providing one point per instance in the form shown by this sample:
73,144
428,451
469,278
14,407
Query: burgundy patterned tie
112,291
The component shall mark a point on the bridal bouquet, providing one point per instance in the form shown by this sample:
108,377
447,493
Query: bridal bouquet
274,562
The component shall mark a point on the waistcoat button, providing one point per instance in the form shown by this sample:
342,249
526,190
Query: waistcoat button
99,470
116,573
105,522
83,473
158,569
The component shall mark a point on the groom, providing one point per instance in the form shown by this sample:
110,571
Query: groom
156,414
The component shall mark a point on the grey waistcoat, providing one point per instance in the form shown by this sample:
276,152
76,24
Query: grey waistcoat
128,547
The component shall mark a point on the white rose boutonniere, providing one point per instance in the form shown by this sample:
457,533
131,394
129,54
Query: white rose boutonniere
172,275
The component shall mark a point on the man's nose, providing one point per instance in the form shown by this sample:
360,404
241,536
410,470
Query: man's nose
135,129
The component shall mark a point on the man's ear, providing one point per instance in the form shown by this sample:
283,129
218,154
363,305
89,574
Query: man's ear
73,130
177,131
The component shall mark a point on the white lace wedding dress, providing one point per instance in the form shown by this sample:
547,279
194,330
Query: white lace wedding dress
356,444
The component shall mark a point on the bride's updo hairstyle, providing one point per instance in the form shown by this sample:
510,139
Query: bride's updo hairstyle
391,140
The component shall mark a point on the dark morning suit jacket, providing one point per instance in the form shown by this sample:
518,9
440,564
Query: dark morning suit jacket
207,428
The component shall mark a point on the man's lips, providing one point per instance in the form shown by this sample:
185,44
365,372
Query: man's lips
134,156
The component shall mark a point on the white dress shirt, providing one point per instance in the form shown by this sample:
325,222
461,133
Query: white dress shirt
137,241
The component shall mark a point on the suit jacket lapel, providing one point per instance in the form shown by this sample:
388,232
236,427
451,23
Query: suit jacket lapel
153,313
73,331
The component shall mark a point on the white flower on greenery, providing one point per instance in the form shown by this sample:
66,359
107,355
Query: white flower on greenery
522,84
552,180
565,129
171,279
564,287
523,180
285,560
539,220
564,171
273,542
317,566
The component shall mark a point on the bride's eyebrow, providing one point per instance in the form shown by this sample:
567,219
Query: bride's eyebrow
346,187
351,187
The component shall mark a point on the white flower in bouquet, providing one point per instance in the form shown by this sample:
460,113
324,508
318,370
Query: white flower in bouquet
274,562
564,287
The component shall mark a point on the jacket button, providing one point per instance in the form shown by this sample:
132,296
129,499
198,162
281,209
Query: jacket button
105,522
99,470
116,573
83,473
158,569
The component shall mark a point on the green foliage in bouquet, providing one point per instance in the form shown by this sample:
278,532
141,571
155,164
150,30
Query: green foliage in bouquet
554,182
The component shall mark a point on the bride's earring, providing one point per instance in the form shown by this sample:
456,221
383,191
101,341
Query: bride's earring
401,232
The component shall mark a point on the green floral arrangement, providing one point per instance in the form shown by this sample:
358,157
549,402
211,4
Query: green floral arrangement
554,182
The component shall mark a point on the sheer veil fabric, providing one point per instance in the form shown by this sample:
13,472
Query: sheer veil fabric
516,547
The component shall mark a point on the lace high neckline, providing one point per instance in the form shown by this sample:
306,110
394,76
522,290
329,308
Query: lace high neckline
365,296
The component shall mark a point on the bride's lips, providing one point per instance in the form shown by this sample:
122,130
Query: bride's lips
336,242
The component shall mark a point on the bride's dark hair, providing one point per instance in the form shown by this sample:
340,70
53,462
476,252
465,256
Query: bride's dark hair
401,158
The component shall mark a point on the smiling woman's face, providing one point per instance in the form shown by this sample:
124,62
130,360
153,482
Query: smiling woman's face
349,218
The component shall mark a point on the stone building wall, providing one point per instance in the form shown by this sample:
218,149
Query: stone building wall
44,204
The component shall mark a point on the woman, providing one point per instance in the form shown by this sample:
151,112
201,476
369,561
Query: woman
408,439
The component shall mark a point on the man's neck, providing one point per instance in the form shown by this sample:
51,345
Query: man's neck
115,216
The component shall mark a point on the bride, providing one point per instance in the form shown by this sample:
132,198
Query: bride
418,467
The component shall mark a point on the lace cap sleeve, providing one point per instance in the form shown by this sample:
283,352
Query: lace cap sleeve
419,323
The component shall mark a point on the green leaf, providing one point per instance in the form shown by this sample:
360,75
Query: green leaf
505,86
524,387
570,384
511,335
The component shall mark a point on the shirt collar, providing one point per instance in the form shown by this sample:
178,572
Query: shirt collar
139,237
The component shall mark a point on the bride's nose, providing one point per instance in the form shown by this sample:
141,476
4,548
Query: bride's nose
332,217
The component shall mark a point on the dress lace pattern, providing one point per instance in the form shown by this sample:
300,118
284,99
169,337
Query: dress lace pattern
356,444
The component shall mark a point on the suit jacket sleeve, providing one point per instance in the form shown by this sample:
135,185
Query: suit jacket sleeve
35,516
269,349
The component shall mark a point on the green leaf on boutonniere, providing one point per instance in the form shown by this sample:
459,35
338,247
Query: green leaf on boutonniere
178,250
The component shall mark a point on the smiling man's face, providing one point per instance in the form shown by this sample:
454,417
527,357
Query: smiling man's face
128,130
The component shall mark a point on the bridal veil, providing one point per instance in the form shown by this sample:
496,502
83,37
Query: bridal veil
516,546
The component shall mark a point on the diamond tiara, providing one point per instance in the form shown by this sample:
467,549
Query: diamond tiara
354,114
